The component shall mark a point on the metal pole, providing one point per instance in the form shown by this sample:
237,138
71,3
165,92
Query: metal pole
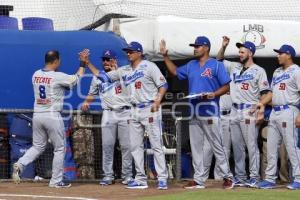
178,149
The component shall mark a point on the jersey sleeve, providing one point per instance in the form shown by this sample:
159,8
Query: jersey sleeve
271,84
114,75
223,76
94,87
158,78
229,65
66,80
263,82
182,72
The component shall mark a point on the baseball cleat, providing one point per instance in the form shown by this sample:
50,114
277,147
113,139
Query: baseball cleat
60,185
136,185
194,185
294,186
228,183
252,182
266,185
127,180
162,185
16,173
105,182
239,182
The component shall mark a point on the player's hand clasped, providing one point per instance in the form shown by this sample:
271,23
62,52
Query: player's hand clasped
155,106
259,109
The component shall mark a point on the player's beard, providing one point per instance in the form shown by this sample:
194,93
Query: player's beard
107,69
244,61
198,55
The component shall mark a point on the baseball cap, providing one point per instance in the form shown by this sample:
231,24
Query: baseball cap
200,41
288,49
134,46
249,45
109,54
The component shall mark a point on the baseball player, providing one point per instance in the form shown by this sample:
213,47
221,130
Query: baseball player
248,87
225,109
116,113
206,76
146,86
49,87
284,118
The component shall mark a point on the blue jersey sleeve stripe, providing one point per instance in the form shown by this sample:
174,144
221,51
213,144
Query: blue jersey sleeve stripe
164,85
104,77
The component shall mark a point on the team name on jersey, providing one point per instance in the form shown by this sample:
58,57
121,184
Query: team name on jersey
278,79
242,78
44,80
132,78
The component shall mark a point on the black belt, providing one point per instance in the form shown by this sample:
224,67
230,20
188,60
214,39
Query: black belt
118,109
225,112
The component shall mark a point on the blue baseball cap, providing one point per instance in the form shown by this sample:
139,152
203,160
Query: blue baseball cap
201,41
288,49
109,54
134,46
247,45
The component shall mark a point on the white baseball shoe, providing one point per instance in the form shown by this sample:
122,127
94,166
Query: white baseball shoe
16,173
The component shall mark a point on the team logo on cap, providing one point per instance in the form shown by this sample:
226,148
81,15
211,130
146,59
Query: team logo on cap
254,33
107,53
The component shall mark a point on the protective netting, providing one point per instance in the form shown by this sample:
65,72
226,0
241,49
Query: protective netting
76,14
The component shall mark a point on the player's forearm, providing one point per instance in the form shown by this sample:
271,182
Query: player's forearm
93,69
80,71
161,93
266,98
170,65
89,99
221,53
222,90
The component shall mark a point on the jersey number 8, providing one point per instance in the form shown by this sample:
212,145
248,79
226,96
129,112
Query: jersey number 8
42,90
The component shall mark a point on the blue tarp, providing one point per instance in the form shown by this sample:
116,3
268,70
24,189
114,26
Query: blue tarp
22,53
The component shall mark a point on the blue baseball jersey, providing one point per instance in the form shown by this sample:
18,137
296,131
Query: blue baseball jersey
204,79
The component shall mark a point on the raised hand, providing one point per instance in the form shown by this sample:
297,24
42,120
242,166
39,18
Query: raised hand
114,64
226,41
84,55
163,48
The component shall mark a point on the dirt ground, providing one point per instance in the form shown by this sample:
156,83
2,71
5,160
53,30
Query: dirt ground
86,191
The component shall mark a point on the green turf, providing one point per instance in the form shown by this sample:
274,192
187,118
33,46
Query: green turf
231,195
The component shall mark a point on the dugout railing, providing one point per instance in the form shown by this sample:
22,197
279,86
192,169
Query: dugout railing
171,136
